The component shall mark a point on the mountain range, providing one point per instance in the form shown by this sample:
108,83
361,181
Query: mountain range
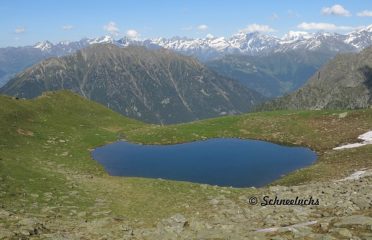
156,86
253,43
16,59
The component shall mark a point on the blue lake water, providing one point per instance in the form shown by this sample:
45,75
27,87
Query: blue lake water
220,161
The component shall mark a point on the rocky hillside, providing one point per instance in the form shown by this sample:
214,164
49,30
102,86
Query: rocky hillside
343,83
155,86
344,212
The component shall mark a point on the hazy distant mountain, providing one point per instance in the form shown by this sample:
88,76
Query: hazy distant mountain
13,60
345,82
156,86
275,74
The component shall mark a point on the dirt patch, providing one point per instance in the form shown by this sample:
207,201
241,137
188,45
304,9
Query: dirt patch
23,132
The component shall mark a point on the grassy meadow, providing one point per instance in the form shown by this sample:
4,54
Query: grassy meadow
45,158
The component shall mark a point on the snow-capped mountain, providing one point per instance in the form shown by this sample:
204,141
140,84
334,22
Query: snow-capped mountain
361,38
44,46
104,39
240,43
331,42
253,43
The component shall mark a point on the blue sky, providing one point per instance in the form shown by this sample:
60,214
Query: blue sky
27,22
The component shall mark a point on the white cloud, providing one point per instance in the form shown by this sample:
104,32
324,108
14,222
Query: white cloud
365,13
67,27
131,33
322,26
20,30
210,35
337,10
257,28
202,27
112,28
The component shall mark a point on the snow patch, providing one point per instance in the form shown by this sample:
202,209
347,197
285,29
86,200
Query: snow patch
366,137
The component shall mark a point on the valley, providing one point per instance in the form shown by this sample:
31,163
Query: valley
345,82
272,75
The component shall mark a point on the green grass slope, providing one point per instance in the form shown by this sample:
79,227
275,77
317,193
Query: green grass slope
45,155
45,163
53,131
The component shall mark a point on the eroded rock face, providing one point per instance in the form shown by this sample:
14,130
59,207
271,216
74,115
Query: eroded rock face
344,212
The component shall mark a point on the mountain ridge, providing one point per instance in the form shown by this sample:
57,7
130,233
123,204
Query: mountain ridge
157,86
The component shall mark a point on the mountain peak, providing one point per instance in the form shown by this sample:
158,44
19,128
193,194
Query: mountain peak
366,29
44,45
103,39
360,38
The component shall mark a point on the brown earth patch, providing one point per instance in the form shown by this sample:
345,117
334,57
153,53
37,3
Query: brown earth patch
23,132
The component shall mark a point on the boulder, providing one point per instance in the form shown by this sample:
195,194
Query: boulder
176,224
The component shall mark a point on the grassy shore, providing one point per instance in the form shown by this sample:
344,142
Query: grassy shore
45,155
